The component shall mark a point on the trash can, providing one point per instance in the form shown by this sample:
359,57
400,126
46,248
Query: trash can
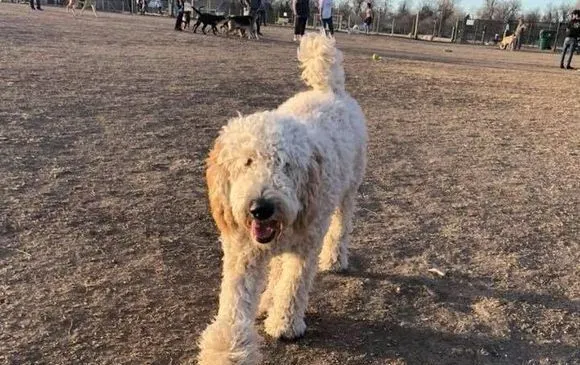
547,39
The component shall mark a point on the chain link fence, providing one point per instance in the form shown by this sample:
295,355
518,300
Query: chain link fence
473,31
159,7
479,31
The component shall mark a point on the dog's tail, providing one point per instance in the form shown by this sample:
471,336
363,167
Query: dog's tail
321,63
197,11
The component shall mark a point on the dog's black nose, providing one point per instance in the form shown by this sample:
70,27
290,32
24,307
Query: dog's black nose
262,209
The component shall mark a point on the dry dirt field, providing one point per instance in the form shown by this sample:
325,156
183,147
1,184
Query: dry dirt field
108,254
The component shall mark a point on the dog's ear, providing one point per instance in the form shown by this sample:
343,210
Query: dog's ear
217,178
309,192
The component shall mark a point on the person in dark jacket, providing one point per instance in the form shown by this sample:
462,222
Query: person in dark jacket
571,41
301,10
262,12
255,6
179,18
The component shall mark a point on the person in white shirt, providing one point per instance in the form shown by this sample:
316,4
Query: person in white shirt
325,8
368,21
187,10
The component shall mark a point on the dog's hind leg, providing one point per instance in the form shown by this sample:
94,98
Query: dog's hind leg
232,337
334,254
203,28
290,297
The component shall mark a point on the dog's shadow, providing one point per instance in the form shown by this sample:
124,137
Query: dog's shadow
354,335
374,342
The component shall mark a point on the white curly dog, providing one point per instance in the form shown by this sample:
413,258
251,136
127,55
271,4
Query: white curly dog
282,187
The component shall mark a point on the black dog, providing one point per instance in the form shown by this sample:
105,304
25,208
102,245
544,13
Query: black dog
207,19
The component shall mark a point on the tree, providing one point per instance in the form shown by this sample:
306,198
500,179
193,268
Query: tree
532,16
426,9
403,17
549,15
508,11
504,10
359,6
384,5
445,9
563,11
488,10
345,9
382,9
404,8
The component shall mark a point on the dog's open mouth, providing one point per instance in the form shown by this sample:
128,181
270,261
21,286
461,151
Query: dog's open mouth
264,231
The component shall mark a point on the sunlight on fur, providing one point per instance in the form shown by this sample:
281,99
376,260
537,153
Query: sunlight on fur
282,187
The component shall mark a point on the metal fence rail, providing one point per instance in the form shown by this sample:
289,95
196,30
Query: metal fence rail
476,31
484,31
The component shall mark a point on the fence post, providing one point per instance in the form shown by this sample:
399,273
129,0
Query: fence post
530,33
378,22
393,27
416,31
556,38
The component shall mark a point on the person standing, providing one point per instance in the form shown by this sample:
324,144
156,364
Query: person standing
255,6
179,17
368,18
262,12
71,6
325,8
91,4
571,40
37,5
519,33
187,10
252,8
301,10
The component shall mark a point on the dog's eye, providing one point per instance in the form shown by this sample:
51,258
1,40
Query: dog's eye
286,167
249,162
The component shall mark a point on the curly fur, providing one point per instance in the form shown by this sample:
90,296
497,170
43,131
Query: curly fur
307,158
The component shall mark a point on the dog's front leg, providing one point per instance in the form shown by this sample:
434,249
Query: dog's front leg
290,296
232,339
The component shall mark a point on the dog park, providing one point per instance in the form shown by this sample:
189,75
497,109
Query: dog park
465,246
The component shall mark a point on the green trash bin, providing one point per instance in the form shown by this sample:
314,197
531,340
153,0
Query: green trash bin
547,39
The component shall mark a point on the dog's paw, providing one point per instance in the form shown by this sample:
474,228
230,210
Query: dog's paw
224,343
265,305
263,309
280,328
333,265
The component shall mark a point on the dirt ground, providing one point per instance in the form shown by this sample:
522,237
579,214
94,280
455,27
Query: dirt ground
108,254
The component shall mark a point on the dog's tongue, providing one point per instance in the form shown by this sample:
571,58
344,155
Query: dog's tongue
263,231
